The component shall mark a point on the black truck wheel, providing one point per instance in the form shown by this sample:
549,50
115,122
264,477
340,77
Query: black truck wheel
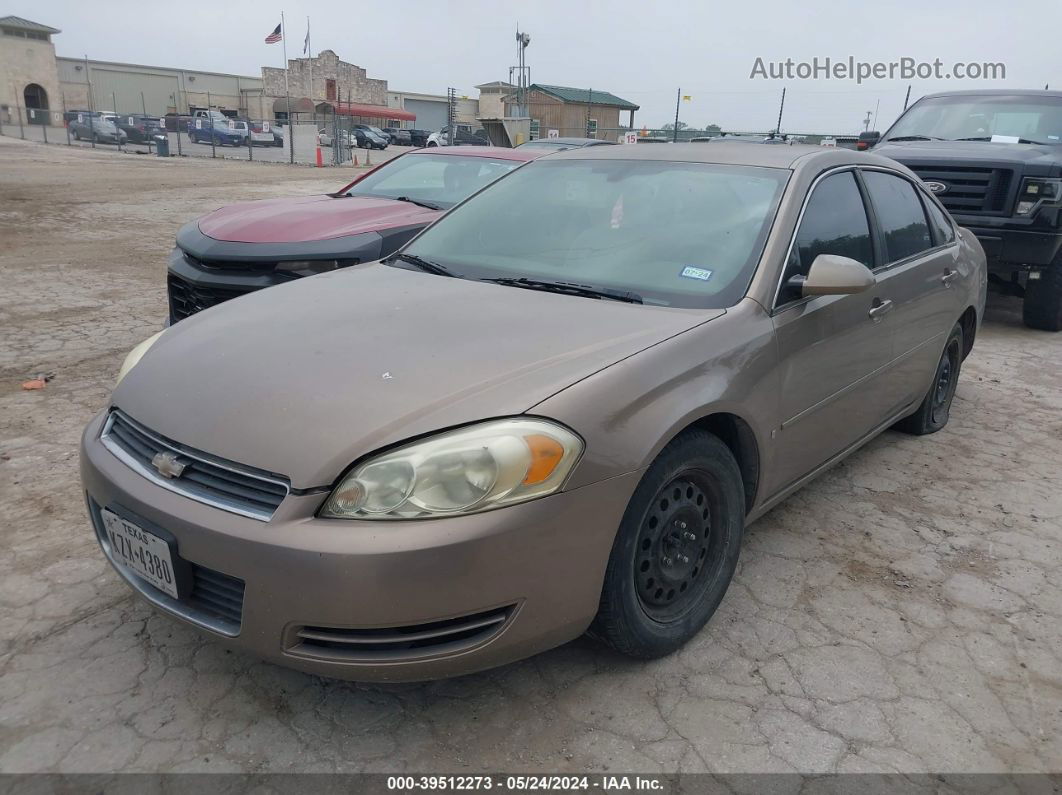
1042,307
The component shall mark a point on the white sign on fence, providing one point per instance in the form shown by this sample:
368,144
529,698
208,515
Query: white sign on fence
629,138
199,124
265,126
553,133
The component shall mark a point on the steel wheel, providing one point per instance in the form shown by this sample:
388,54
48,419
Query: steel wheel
945,382
675,548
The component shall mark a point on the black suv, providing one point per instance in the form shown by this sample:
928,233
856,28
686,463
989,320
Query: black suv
994,159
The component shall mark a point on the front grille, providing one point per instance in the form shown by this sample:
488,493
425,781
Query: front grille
215,600
972,190
450,636
187,298
203,477
217,594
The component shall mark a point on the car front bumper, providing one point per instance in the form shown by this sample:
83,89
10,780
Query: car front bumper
472,592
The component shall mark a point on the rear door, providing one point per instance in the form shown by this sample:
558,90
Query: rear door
920,263
834,351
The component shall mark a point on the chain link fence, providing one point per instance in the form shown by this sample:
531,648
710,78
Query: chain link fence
332,140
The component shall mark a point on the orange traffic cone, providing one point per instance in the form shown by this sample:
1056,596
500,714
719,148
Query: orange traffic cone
355,160
320,160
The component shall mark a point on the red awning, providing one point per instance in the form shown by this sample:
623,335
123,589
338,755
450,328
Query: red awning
373,111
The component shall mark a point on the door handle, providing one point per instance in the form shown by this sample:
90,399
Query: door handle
879,309
949,276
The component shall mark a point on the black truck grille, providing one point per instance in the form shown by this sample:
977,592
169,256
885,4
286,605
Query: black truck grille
971,190
187,298
204,478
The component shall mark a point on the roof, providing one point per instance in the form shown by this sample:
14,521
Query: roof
497,152
996,92
496,84
372,111
584,96
724,153
25,24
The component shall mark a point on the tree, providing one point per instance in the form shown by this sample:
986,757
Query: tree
671,126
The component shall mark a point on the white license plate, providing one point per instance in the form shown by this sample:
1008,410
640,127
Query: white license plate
147,555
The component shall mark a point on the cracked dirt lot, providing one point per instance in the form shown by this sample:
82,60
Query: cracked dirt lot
902,613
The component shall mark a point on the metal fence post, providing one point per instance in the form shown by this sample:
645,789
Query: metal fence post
21,132
210,121
47,121
66,122
118,130
250,143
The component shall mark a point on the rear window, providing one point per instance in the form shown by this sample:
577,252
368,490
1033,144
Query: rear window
441,180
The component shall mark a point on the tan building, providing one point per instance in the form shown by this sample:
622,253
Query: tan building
492,98
575,112
323,83
29,80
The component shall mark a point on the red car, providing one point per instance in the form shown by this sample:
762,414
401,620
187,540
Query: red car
251,245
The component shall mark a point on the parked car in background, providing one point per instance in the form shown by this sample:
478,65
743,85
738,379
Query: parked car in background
555,410
379,133
560,144
994,159
206,127
419,137
94,127
264,133
138,128
247,246
399,137
461,138
323,138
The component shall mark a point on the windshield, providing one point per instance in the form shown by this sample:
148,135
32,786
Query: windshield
676,234
440,180
1030,118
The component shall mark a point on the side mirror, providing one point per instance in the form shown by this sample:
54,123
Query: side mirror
832,274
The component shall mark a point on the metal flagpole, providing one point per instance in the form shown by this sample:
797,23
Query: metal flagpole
287,92
308,52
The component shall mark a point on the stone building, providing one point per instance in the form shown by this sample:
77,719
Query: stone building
29,81
333,80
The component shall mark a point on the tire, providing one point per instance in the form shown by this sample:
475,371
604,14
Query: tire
1042,305
932,413
661,587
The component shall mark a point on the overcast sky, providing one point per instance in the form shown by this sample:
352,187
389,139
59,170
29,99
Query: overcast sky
643,51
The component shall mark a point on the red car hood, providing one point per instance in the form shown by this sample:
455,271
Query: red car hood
310,218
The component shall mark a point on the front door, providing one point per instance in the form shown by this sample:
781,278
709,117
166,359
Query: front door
834,351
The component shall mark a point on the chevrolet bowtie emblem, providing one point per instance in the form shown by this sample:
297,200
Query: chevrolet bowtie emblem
168,465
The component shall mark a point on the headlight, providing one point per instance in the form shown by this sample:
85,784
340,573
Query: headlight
469,470
308,267
1036,193
136,355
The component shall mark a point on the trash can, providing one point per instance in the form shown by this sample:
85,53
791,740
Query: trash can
162,145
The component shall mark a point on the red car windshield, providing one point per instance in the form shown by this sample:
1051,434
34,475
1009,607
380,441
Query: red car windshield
439,181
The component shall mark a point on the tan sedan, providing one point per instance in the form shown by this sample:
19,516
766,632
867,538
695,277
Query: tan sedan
553,411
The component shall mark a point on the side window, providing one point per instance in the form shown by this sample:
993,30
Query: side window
900,215
835,222
943,231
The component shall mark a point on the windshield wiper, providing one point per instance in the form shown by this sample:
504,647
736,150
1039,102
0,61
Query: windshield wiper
425,265
568,288
914,138
989,138
417,202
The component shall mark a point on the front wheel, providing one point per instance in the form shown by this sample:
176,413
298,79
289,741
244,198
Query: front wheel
676,549
933,412
1042,305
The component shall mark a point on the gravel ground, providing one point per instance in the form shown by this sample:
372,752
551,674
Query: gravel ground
902,613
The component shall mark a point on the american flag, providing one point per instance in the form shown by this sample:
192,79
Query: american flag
273,37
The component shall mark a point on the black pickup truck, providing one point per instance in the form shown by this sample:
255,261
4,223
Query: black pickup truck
994,159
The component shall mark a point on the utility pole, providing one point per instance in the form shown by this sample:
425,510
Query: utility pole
589,106
91,104
451,101
678,101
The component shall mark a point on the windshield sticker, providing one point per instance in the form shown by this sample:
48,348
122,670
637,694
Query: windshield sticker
690,272
1005,139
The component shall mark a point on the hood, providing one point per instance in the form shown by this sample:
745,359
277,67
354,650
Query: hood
1031,158
304,378
310,218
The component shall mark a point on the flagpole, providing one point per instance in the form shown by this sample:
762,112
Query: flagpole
308,52
287,92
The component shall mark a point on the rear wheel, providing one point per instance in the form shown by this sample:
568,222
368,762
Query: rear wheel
933,412
1042,306
676,549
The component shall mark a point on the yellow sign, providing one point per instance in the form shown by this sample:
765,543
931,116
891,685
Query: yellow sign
686,97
